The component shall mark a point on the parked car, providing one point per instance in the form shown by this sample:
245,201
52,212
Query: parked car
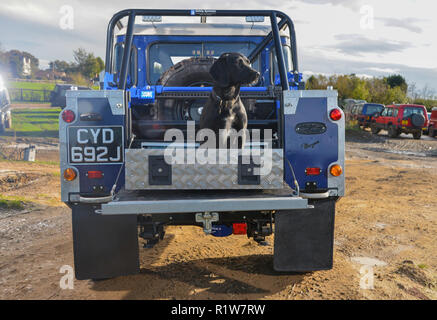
363,113
401,118
432,126
5,109
348,105
57,96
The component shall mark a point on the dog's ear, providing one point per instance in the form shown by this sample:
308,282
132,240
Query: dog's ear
220,71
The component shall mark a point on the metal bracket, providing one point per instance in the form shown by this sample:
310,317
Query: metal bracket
207,219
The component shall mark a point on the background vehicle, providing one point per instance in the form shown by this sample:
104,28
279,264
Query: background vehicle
112,145
348,105
363,112
403,118
57,96
5,110
432,128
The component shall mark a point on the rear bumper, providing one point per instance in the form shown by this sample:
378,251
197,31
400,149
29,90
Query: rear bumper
215,204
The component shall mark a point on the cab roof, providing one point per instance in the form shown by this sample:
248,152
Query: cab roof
200,29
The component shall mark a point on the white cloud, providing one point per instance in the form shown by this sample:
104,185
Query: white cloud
403,38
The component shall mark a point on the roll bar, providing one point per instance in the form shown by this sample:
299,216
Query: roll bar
274,34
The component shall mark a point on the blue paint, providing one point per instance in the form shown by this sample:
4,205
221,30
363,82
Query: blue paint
306,151
143,42
221,230
102,107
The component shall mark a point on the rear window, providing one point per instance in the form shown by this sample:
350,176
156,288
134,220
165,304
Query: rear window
372,109
408,111
162,56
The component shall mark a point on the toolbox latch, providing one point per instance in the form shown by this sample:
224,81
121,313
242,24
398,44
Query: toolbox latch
159,171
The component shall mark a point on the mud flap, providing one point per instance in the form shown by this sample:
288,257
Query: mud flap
304,239
104,246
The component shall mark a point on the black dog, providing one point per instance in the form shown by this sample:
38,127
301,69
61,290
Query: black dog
224,109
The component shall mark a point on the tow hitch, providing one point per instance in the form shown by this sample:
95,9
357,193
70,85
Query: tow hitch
207,219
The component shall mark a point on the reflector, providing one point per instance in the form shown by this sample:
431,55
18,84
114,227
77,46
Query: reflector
95,174
239,228
336,170
68,116
69,174
335,114
312,171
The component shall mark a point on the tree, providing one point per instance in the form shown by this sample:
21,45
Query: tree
60,65
100,63
397,81
360,91
86,64
14,61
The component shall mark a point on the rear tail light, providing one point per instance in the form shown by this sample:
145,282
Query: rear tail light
336,170
239,228
312,171
68,116
69,174
94,174
335,114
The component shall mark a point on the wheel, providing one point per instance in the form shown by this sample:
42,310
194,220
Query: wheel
431,132
374,129
192,72
393,132
417,135
417,120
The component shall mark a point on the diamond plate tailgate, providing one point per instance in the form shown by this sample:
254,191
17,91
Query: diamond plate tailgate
198,176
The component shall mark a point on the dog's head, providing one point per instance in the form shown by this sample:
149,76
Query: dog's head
232,69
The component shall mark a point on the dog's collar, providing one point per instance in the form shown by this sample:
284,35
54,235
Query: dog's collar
221,100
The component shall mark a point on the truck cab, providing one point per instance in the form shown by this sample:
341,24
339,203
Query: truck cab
131,156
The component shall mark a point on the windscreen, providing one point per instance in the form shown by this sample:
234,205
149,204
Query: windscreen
412,110
373,108
162,56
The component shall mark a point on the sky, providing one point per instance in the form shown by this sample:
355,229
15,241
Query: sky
365,37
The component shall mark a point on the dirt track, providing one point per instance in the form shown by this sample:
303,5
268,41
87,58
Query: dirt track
389,214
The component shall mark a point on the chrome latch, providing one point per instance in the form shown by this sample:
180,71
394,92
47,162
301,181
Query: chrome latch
207,219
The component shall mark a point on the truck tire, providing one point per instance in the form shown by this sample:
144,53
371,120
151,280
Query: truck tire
393,132
192,72
431,132
304,239
417,120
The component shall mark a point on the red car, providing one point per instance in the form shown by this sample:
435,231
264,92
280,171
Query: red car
401,118
432,127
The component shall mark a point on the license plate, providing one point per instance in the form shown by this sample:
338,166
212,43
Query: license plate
103,145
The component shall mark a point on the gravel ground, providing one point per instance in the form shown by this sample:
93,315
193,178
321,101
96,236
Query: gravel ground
387,219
